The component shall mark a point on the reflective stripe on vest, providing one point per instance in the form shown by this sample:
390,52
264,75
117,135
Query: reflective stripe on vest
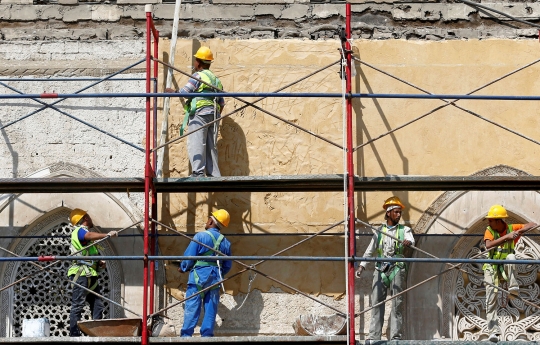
82,267
500,253
208,77
397,245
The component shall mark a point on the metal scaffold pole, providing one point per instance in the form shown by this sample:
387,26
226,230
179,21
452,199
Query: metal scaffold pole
350,176
147,172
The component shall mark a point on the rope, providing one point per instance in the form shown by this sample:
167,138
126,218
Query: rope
74,283
447,102
58,261
443,272
246,267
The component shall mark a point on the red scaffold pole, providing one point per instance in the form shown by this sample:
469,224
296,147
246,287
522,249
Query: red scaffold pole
350,176
153,239
147,174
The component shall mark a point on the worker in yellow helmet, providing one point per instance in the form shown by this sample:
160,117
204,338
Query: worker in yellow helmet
204,273
84,272
501,238
199,111
388,275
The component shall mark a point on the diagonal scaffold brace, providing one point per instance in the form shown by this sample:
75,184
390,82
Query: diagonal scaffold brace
58,261
247,268
74,283
452,267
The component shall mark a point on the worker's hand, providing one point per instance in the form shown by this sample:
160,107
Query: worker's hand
102,264
180,270
359,271
169,90
407,243
113,233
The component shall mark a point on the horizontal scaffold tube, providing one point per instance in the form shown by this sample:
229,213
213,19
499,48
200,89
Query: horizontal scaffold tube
274,258
276,95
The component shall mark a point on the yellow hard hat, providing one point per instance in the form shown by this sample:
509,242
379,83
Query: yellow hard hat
76,215
497,212
392,201
222,217
205,54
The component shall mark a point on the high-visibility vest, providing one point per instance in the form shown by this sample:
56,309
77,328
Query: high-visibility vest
198,102
398,246
500,252
82,267
387,277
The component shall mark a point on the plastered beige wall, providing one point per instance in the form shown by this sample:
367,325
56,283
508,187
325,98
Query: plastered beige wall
447,142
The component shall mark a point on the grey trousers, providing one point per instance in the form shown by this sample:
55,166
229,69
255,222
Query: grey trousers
491,293
378,294
201,147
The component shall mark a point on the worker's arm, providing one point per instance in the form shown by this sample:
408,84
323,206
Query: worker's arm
169,90
94,236
509,237
191,250
408,237
367,254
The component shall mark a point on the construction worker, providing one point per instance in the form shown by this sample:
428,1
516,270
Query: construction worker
203,274
502,237
388,275
84,272
199,111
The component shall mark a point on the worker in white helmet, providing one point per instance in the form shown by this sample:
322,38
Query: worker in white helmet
205,273
501,238
84,272
199,111
388,275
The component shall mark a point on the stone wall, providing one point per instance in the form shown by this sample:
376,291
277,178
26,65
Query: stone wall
265,19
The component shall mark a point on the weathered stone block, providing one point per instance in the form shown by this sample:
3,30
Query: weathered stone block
295,12
21,2
526,11
451,12
250,2
50,12
134,2
23,13
210,12
5,12
415,11
322,11
134,12
166,11
81,12
124,32
265,10
106,13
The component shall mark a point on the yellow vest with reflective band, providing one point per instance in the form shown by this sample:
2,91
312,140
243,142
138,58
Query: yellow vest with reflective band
398,247
87,268
500,252
208,77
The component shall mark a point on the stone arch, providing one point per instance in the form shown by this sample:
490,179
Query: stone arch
37,213
456,213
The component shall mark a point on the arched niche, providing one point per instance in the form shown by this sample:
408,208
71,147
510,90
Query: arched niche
27,214
431,307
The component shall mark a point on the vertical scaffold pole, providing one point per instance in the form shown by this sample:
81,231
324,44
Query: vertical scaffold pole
350,175
147,173
153,232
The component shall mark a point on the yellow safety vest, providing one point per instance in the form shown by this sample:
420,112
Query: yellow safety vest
82,267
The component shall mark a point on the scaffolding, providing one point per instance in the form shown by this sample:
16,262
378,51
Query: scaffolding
348,182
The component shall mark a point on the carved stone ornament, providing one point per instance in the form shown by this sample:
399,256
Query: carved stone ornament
46,294
517,320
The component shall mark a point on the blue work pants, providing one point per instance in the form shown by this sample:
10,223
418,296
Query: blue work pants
192,311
